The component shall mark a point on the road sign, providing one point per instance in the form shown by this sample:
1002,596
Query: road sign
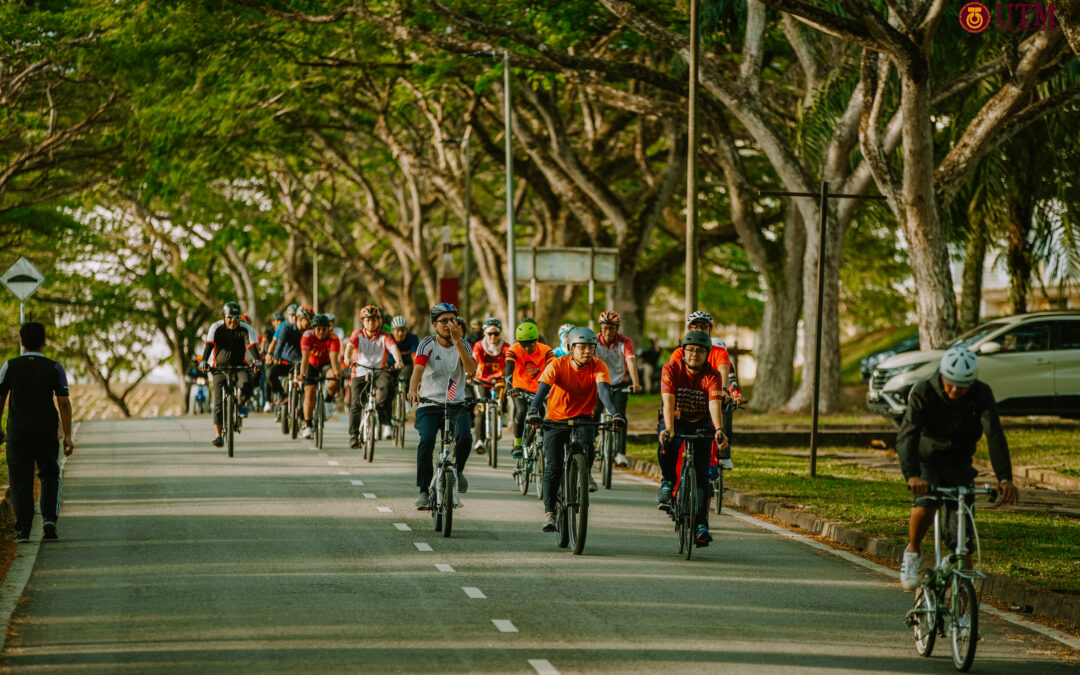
22,279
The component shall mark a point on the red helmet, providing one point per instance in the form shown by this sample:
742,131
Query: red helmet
304,311
610,317
371,311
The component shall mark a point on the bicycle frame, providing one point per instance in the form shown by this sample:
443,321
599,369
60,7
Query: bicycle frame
445,475
684,507
231,421
572,511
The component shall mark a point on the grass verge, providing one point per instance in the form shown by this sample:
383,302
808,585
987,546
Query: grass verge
1040,549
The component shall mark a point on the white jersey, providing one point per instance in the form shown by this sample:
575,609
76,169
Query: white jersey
442,366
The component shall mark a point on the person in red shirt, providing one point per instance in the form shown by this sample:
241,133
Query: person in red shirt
692,393
490,357
525,362
570,386
320,353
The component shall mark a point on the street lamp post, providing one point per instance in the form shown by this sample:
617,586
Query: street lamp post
691,287
467,256
511,266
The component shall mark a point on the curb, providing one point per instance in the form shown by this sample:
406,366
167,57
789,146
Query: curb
1020,596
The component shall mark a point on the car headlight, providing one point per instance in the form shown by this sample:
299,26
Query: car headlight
889,373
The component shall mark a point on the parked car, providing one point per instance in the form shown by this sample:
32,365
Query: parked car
870,361
1031,361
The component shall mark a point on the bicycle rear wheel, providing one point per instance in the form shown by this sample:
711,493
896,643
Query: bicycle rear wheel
578,504
538,449
447,505
924,620
964,628
230,422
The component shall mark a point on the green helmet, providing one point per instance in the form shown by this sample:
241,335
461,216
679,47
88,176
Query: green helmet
527,331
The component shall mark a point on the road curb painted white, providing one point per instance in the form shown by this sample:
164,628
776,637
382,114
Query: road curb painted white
23,565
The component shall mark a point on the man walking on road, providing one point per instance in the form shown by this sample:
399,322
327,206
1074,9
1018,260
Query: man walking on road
32,380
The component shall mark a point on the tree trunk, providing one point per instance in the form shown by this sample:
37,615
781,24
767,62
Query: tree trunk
971,295
103,380
627,304
1068,13
1019,255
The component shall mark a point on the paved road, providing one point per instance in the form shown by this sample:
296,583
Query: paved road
175,558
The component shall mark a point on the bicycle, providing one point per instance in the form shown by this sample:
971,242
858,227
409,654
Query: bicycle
369,415
444,483
945,601
293,413
231,421
684,503
572,498
318,418
491,409
530,468
398,413
718,484
609,441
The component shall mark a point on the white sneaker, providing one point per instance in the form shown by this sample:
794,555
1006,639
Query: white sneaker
620,459
387,432
726,465
267,407
909,571
305,432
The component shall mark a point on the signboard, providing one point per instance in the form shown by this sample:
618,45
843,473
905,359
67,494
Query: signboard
22,279
567,265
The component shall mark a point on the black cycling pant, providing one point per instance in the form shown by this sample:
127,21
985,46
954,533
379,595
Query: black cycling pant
555,441
668,457
243,378
273,378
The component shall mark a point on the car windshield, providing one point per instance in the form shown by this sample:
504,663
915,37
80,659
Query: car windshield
974,335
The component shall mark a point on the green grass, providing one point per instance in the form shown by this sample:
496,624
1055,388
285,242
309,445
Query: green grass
1037,548
642,407
1052,449
855,350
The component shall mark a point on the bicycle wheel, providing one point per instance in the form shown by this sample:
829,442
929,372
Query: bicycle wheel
229,417
295,408
524,475
371,422
923,619
436,511
490,438
539,470
690,504
447,505
283,415
718,492
964,623
579,501
607,459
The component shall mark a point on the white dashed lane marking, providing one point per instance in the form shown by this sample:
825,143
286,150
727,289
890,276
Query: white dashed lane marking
443,567
421,546
473,592
333,463
403,527
543,667
383,509
504,625
369,495
357,482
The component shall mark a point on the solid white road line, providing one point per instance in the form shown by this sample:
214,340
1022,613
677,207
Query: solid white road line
504,625
403,527
421,546
443,567
473,592
543,667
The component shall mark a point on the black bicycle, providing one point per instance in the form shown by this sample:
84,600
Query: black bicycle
611,441
572,498
684,503
718,484
443,491
530,467
292,406
318,417
231,421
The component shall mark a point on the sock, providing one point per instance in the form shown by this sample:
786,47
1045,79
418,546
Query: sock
517,440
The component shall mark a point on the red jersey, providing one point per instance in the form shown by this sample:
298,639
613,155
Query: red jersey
320,349
490,368
692,391
528,367
573,392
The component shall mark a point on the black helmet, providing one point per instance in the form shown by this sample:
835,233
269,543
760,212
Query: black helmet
442,308
581,336
320,320
231,309
277,316
697,337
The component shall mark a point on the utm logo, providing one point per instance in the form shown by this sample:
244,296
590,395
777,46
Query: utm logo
974,17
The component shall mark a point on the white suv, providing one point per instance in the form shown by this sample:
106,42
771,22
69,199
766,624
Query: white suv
1031,361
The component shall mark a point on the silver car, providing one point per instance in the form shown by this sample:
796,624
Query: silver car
1031,361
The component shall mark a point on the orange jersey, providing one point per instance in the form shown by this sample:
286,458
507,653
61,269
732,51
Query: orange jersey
490,368
528,367
573,392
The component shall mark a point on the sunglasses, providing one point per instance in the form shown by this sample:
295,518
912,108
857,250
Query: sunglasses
444,321
233,316
494,332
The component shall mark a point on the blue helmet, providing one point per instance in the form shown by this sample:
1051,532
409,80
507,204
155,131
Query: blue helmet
442,308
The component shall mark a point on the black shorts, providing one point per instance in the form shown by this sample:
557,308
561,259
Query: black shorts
311,377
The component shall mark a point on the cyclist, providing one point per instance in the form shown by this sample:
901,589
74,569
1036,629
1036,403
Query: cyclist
368,347
227,343
692,393
569,387
562,349
490,357
947,413
439,370
525,361
617,351
319,354
407,342
287,350
476,332
721,360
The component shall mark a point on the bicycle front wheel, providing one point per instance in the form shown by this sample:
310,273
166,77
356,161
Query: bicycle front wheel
924,620
606,462
371,422
295,406
578,504
964,628
688,506
718,492
492,440
524,475
539,471
283,415
230,423
447,505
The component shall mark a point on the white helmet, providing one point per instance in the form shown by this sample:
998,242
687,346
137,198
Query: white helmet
717,342
959,367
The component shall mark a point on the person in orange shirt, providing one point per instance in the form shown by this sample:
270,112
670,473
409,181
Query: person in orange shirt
570,386
525,361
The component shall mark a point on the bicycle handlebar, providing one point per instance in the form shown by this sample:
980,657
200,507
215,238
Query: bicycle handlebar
465,401
566,424
229,369
958,492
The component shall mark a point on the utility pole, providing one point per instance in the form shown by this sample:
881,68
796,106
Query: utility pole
467,255
691,294
823,205
511,263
